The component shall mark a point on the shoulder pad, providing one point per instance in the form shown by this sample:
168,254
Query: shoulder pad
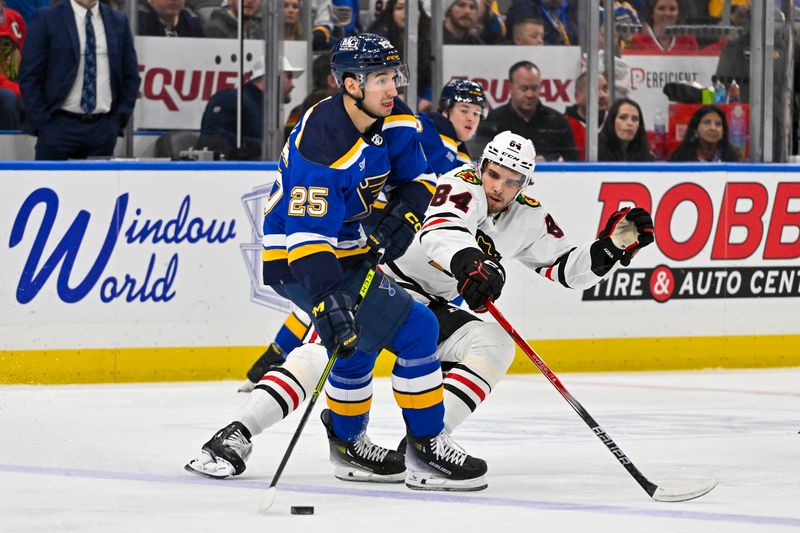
471,177
527,200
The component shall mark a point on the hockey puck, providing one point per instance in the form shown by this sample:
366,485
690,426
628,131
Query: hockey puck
302,510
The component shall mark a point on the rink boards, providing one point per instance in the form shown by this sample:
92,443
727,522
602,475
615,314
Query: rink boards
150,272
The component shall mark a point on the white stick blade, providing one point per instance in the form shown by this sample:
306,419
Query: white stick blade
269,499
666,494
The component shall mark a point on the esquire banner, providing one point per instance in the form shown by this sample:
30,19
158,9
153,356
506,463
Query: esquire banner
180,75
143,259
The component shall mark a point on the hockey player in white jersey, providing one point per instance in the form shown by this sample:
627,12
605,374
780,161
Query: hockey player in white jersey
477,218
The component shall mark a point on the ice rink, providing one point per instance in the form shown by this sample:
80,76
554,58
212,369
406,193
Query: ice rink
111,457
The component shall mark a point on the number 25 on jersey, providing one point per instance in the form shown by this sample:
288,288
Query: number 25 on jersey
309,200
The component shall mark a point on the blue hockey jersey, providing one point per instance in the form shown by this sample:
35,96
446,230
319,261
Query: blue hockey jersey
330,176
441,145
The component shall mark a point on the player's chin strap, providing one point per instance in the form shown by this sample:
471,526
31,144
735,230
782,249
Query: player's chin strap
360,104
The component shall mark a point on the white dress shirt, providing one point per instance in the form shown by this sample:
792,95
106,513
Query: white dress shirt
73,101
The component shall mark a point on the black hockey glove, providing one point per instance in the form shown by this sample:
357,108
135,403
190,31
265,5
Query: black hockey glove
480,277
394,231
627,231
335,321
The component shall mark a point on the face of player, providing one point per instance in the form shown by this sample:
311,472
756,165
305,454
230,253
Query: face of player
399,13
710,128
627,122
526,84
463,14
665,12
529,33
379,92
501,186
465,119
291,11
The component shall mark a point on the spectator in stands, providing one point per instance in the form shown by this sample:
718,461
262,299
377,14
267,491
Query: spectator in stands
706,138
78,84
291,21
654,37
334,19
224,21
12,36
26,8
526,115
391,23
624,14
460,20
529,32
560,19
218,125
168,18
576,114
490,27
623,136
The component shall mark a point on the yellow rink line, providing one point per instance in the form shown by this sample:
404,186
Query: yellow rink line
583,355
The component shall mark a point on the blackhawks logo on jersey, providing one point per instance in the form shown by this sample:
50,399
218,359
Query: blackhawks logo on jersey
527,200
469,176
486,244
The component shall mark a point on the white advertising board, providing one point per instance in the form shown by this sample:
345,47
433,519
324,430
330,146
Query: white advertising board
131,256
649,73
180,75
488,65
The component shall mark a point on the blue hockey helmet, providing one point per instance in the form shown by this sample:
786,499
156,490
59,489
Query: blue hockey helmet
466,91
361,54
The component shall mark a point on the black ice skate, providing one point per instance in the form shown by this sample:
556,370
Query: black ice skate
363,460
272,357
225,454
438,463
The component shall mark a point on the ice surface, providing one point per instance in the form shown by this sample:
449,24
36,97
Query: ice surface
111,457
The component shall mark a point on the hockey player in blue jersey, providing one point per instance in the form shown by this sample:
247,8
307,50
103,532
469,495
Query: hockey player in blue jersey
336,161
462,105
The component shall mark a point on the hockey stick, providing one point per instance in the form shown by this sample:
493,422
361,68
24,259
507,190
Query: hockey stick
269,497
656,492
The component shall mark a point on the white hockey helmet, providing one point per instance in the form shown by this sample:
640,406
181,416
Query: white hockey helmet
512,151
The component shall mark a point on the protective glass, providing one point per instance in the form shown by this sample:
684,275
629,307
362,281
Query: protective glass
383,80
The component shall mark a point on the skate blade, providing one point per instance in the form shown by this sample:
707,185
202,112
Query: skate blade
345,473
420,481
207,466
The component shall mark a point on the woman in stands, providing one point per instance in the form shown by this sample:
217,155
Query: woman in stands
654,38
291,20
706,138
623,137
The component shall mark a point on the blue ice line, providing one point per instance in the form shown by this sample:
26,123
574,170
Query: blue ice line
188,479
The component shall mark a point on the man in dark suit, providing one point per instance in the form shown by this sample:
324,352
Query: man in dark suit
78,78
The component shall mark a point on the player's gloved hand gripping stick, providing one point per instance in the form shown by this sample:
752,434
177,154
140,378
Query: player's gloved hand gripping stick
658,493
342,342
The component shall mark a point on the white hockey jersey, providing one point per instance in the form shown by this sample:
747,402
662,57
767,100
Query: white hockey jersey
457,218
